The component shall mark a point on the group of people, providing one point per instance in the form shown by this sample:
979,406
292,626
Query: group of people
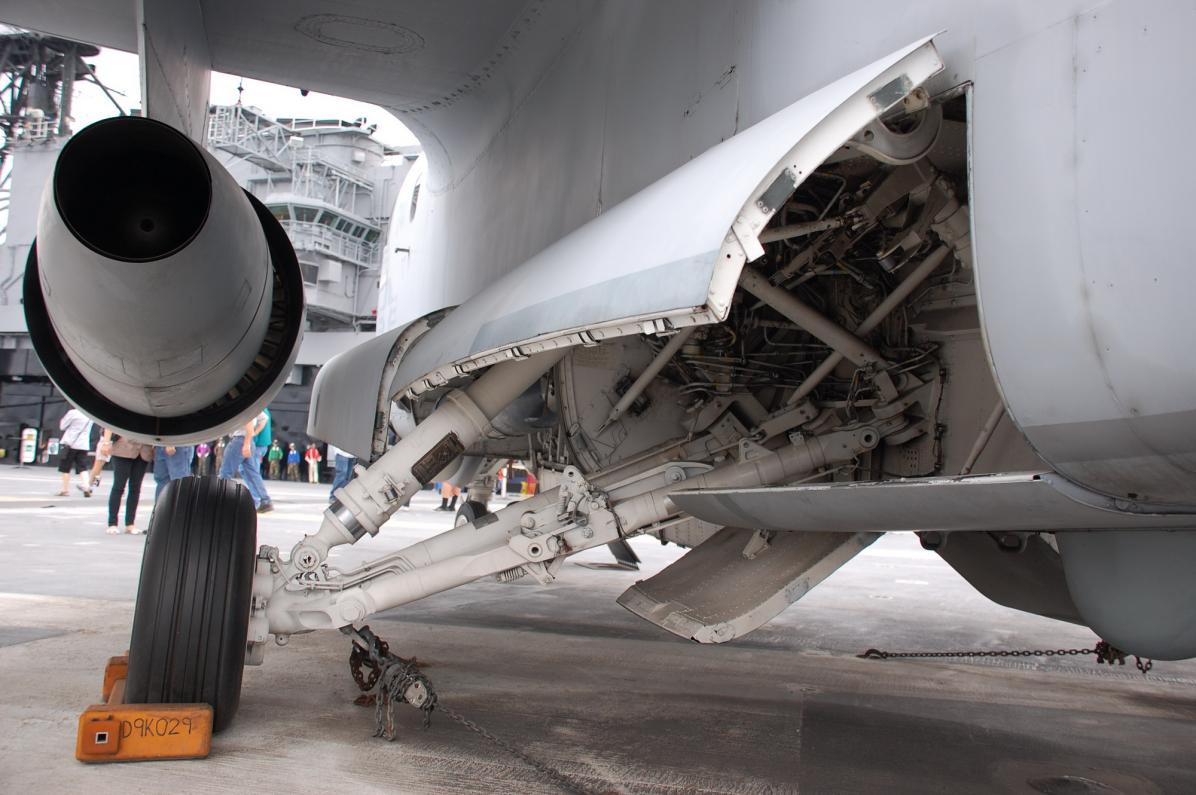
238,457
276,456
129,459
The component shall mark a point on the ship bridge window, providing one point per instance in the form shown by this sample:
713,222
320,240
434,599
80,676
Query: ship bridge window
307,214
343,225
327,218
371,236
281,212
358,230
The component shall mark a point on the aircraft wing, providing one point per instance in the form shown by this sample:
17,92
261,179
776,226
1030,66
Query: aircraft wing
323,46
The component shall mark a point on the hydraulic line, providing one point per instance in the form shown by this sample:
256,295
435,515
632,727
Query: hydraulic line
830,332
869,324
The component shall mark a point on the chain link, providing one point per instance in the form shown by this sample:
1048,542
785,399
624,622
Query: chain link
360,660
1104,652
562,780
401,682
398,679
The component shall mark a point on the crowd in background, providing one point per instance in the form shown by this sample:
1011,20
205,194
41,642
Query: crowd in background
250,454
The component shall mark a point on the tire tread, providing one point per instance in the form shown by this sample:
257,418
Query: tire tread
192,612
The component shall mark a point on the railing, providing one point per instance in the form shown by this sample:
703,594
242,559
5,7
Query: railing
306,235
35,128
329,124
314,162
247,133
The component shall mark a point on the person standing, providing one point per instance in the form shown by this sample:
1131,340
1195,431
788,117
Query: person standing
275,459
129,462
344,469
75,445
241,459
448,491
261,442
202,452
293,459
313,458
171,463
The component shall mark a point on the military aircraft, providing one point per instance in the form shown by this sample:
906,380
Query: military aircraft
763,279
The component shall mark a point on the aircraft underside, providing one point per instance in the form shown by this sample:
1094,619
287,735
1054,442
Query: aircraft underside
773,353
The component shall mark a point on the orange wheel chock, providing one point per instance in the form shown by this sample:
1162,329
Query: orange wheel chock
119,732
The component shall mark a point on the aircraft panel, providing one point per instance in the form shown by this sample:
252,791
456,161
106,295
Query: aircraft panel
666,252
1078,189
987,503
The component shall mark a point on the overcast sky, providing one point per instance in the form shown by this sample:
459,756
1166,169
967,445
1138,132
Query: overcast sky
118,71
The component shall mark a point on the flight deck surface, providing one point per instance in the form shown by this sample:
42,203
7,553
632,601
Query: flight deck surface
572,680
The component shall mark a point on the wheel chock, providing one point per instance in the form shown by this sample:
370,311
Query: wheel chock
115,671
118,732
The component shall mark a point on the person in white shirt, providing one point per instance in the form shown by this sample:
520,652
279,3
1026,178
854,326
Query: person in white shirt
76,444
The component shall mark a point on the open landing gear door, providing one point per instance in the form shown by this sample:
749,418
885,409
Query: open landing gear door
738,579
669,256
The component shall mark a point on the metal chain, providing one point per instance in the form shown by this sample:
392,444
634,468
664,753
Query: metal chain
359,660
562,780
400,681
1105,654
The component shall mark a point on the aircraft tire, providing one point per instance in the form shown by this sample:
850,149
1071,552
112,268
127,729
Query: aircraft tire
470,511
192,614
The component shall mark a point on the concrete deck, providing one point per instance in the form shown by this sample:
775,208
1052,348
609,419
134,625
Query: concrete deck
578,683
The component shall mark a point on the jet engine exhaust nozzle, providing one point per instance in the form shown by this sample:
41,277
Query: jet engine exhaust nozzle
161,298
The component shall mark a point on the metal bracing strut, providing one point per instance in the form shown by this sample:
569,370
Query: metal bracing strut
650,372
537,534
883,309
362,506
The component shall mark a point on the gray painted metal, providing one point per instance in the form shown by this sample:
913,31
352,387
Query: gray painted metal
985,503
663,253
580,105
169,336
717,593
1084,260
345,395
1078,188
1135,589
1030,578
176,67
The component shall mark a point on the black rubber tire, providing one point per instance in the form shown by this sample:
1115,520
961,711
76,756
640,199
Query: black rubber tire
470,511
192,616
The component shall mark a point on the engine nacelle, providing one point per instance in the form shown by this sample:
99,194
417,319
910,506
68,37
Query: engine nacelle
162,299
